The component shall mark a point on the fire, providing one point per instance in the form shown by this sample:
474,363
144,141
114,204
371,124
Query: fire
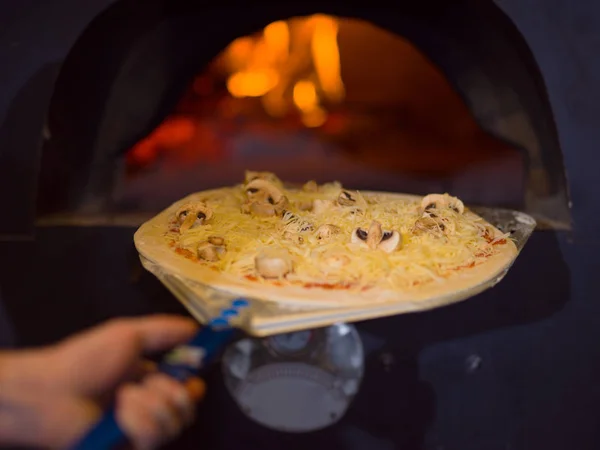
291,64
326,57
252,83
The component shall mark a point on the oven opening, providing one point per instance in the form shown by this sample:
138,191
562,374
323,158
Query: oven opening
152,105
325,98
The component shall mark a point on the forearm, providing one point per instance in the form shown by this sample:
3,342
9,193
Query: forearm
11,427
23,371
16,390
11,363
34,411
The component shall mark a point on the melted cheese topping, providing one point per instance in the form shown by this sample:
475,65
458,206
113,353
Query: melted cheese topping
336,262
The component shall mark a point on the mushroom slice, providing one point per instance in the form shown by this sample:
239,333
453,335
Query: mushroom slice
261,190
457,205
217,240
390,241
439,201
265,208
429,225
359,236
202,211
265,176
327,231
310,186
262,209
281,206
190,215
273,263
304,205
375,234
376,237
433,201
183,211
209,252
346,199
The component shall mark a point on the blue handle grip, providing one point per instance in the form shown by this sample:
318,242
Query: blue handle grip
182,363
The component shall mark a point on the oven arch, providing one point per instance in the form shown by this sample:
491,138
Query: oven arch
149,52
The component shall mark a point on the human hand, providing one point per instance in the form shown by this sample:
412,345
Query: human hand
50,397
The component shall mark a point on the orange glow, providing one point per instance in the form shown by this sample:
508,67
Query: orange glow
239,53
173,133
315,117
326,57
277,40
291,64
305,96
307,101
252,83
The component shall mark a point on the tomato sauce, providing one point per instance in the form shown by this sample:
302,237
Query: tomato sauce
186,253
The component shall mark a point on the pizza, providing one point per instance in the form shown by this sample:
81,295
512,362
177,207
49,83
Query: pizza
325,244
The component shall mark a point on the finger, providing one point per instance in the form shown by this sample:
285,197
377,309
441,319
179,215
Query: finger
142,429
163,409
175,393
162,332
119,343
151,333
144,418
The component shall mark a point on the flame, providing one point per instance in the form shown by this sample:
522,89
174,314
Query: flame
277,40
326,57
291,64
305,95
252,83
306,100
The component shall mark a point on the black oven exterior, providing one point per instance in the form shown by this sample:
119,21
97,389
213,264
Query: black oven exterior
514,368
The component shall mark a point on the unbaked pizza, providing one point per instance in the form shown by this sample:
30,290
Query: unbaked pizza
325,243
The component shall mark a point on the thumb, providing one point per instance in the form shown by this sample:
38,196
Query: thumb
99,359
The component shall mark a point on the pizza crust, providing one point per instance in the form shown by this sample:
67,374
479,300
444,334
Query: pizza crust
152,245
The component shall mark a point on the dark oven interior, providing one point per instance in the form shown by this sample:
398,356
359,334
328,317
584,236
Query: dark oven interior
157,100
